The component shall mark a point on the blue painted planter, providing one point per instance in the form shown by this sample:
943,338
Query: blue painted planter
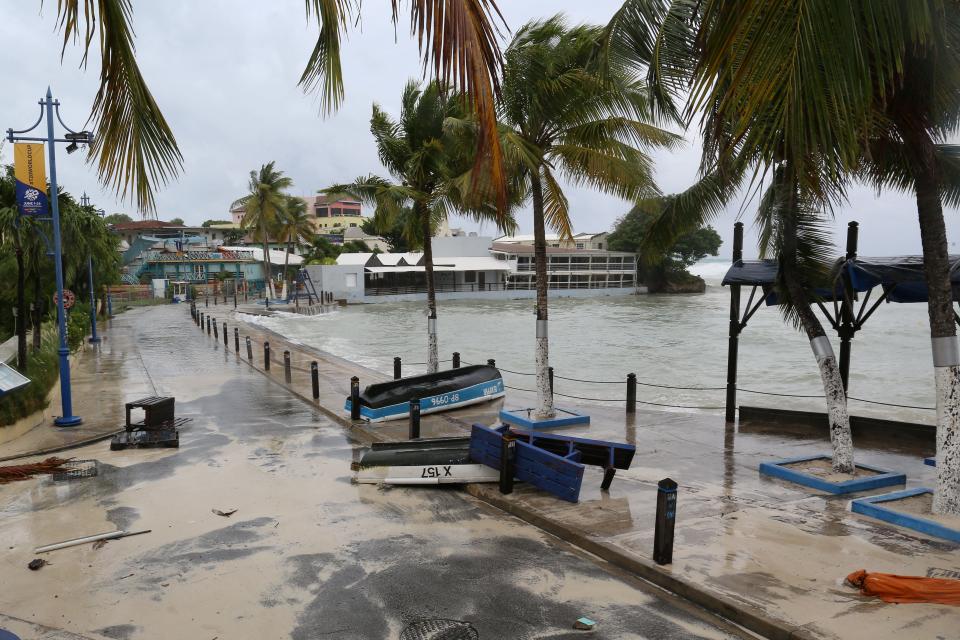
524,418
873,506
883,478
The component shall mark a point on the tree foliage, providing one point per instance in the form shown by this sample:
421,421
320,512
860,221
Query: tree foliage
115,218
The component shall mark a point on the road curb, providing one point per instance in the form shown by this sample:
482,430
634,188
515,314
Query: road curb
745,616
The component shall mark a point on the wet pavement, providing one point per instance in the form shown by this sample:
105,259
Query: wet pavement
767,548
308,554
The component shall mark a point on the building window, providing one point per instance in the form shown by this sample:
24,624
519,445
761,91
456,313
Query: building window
350,280
322,212
600,246
214,236
336,212
469,277
353,224
579,245
198,272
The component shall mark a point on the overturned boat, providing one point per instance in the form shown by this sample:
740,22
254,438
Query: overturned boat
427,461
441,391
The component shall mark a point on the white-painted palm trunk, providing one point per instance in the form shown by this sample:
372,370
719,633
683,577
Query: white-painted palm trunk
433,357
946,372
545,408
840,436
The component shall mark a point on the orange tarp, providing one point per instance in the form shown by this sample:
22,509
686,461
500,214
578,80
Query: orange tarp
892,588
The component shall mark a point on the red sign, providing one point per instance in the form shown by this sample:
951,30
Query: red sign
68,299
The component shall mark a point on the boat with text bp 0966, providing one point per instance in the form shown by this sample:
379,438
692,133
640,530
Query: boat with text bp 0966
441,391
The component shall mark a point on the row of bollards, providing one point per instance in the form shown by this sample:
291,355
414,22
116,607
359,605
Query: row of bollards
666,513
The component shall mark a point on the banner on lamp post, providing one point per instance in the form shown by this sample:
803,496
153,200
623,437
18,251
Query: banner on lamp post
29,171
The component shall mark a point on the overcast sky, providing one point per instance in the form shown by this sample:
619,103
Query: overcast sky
225,75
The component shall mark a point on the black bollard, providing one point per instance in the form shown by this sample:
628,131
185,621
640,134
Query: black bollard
315,379
226,336
234,299
354,398
508,449
236,339
550,376
414,419
216,332
631,393
666,517
249,349
214,299
396,368
206,300
200,320
456,359
266,356
492,362
608,474
287,375
208,325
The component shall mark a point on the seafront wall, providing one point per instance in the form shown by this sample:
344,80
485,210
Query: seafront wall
512,294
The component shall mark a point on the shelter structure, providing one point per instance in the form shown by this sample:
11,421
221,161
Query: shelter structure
846,302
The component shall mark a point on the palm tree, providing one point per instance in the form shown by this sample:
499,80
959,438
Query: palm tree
263,206
560,117
918,104
135,149
431,167
778,100
295,226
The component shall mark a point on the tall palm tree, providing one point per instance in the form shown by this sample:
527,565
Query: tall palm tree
295,227
918,103
560,118
431,167
778,97
263,206
135,149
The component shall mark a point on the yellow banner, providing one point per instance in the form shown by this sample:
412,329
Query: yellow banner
28,164
31,179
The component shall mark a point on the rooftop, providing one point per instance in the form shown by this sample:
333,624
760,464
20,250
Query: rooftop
138,225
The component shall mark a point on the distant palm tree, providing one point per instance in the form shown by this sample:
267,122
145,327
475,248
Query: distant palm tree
263,207
135,149
295,226
430,166
560,117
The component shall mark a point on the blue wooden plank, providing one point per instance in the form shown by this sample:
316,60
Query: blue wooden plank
549,472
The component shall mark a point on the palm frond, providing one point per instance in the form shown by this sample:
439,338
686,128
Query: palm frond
134,149
323,72
556,209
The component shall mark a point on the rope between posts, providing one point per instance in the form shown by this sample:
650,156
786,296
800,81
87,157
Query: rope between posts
656,404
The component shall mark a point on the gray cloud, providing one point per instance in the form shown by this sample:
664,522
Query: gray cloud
225,75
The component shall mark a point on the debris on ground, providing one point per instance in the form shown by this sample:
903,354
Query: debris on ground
906,589
37,564
75,470
584,624
110,535
26,471
99,544
225,514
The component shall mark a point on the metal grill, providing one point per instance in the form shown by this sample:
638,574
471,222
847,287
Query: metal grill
439,629
75,469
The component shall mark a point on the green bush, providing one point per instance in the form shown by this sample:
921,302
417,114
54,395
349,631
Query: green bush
42,369
78,325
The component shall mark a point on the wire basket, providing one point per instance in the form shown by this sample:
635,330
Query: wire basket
75,469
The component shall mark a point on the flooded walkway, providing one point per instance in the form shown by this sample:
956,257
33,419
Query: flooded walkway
307,554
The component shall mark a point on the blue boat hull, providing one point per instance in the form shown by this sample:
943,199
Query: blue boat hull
474,394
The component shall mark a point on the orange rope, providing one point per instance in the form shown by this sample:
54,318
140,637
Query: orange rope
27,471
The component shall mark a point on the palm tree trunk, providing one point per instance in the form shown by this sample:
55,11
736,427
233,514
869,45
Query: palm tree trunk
433,358
22,319
286,267
943,333
841,438
37,308
545,408
266,261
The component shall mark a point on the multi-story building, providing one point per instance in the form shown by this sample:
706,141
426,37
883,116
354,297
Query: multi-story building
569,268
329,214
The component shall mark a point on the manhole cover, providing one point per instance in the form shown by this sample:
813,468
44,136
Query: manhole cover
439,629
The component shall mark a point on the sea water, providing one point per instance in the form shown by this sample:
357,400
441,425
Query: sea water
673,340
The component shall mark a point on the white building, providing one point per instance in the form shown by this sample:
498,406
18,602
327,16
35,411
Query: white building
475,267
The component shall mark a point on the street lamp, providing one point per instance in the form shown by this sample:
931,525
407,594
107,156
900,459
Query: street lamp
94,339
49,106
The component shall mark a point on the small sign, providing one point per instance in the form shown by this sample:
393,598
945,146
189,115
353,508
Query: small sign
68,299
11,379
30,176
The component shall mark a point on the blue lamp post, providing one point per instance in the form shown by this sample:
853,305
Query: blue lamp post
94,339
49,107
